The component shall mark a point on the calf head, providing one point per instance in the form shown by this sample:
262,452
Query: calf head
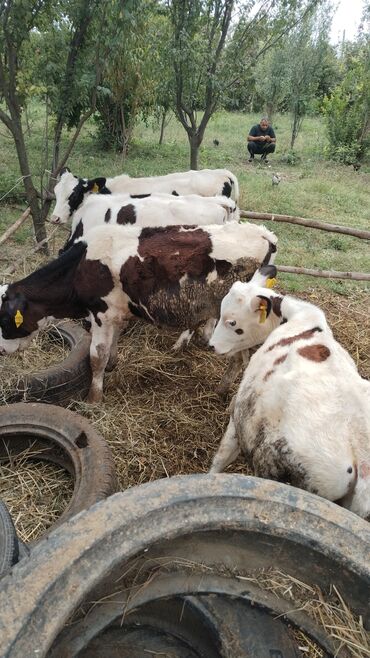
70,193
249,312
19,320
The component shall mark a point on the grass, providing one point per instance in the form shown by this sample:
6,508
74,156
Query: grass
313,187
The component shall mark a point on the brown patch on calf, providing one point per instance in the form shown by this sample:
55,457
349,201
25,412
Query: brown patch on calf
316,353
277,362
126,215
281,359
168,254
108,215
304,335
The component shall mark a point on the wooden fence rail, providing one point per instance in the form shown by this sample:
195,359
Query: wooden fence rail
311,223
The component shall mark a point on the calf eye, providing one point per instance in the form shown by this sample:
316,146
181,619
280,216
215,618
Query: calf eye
350,469
232,323
239,331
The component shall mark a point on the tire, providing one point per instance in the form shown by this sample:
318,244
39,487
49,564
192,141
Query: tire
65,381
9,549
65,438
182,536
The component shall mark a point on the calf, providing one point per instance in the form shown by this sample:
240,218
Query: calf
174,276
302,413
154,210
71,190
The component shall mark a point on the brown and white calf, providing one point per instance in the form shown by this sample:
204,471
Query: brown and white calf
173,276
71,191
302,411
153,210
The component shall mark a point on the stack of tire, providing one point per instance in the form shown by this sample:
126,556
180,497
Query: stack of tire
168,569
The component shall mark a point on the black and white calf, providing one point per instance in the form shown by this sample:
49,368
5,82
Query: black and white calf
173,276
71,191
302,411
153,210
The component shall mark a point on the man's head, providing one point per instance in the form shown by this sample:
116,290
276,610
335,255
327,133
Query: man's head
264,123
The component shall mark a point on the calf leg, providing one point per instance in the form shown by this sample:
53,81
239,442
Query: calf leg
117,330
101,342
228,450
235,366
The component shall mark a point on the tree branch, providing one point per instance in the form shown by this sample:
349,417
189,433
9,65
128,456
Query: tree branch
311,223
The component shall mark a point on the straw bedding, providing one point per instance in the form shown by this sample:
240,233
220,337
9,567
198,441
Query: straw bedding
162,417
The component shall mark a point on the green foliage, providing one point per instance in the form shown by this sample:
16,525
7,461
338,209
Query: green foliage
128,80
347,109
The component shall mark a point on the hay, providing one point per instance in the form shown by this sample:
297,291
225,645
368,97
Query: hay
329,611
45,350
162,417
35,492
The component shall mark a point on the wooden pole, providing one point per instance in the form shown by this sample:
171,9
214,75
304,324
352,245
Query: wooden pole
326,274
12,229
311,223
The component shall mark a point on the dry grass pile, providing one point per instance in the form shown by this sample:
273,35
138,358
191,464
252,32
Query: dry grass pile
35,492
46,350
162,417
161,414
329,611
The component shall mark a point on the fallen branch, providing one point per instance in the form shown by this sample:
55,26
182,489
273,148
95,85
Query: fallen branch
326,274
13,228
311,223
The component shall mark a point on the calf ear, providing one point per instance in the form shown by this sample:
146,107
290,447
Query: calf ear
96,184
16,308
263,306
264,275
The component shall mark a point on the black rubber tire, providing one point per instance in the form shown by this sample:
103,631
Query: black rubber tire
65,438
9,549
68,380
181,536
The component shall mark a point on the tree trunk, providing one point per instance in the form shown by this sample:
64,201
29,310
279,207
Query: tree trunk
195,140
164,114
31,192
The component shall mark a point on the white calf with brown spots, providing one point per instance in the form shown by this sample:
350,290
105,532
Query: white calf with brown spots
302,411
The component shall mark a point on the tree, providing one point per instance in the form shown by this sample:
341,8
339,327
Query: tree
128,79
213,43
347,109
61,44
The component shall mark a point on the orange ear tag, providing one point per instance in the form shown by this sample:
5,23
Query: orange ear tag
270,283
18,319
263,313
95,188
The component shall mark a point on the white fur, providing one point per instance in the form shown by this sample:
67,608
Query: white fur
205,182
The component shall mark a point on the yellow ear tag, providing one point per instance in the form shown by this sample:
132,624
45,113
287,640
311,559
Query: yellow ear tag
263,313
270,283
18,319
95,188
